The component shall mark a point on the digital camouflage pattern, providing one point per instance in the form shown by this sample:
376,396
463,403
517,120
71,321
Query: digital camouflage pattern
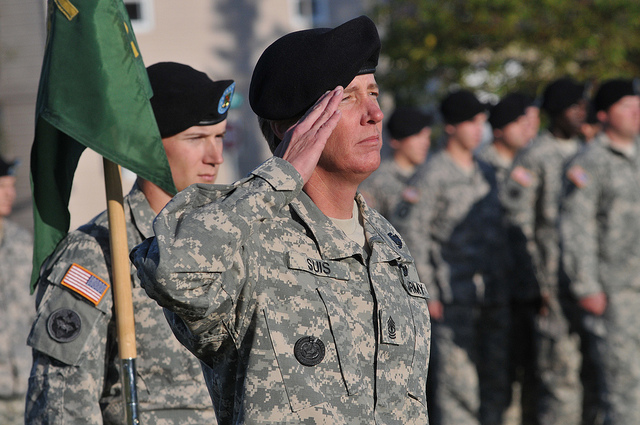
295,324
75,377
531,199
456,232
501,165
457,235
523,311
16,313
600,225
385,187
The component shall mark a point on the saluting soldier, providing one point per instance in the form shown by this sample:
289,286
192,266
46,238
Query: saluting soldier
303,302
75,378
16,306
531,198
410,131
600,224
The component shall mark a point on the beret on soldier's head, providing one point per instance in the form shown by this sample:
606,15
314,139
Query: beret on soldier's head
406,121
184,97
295,70
612,91
460,106
509,109
8,168
561,94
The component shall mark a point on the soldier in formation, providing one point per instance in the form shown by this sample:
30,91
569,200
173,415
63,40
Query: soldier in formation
600,231
457,235
409,130
75,377
16,306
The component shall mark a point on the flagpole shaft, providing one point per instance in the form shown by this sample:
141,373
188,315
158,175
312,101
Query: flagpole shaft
121,281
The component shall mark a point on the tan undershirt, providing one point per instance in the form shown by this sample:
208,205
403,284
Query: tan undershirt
352,227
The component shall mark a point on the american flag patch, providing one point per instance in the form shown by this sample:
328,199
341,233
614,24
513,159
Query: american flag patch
522,176
85,283
578,176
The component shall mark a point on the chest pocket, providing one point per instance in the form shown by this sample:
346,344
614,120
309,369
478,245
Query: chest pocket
311,336
404,330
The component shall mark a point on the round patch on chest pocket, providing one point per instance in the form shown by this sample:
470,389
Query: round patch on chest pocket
309,351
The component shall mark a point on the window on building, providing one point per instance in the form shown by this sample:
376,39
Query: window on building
310,13
141,15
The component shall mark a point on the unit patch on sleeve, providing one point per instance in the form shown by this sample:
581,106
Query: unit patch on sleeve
85,283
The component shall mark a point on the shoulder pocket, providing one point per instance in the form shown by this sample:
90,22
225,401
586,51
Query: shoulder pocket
66,326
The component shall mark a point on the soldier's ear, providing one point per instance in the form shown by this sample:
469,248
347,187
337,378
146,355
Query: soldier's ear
279,128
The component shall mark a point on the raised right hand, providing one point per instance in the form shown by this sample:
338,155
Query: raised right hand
304,142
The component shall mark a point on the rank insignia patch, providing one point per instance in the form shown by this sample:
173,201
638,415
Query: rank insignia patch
578,176
85,283
522,176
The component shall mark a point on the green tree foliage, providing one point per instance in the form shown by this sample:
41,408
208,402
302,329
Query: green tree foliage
497,46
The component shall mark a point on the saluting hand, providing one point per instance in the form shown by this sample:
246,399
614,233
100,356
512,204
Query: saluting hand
304,142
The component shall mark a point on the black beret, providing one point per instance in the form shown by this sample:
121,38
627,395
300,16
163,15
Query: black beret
184,97
8,168
509,109
406,121
561,94
612,91
295,70
460,106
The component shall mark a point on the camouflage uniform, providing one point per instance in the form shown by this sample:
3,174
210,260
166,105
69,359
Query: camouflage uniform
501,165
531,199
384,188
16,313
456,233
75,377
600,226
294,322
524,309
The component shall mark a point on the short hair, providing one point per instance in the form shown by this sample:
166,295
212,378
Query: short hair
267,130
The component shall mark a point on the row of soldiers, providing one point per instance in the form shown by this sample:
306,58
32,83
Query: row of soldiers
529,247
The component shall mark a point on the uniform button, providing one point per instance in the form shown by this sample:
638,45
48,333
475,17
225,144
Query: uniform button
64,325
309,351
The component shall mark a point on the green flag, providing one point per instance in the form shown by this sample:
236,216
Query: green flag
94,92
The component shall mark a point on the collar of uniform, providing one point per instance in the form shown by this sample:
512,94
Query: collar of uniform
629,153
332,242
141,213
380,235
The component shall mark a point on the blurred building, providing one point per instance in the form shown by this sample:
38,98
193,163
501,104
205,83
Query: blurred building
223,38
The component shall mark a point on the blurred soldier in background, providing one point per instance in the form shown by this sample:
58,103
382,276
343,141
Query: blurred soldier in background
600,225
531,199
513,128
456,233
410,131
16,306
